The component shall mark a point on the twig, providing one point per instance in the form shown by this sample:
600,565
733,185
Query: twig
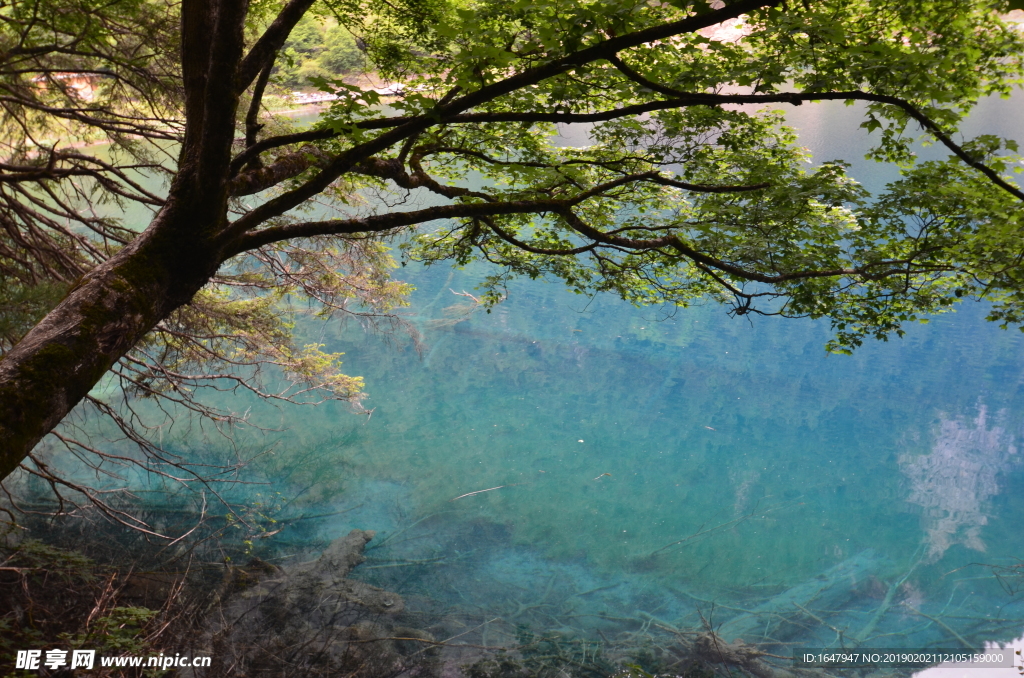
431,642
388,538
886,602
945,627
681,592
701,532
599,588
464,293
470,494
446,640
819,620
411,563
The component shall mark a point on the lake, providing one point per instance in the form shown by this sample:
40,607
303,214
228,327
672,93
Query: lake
607,474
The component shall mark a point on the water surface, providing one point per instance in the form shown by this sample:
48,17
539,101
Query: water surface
582,466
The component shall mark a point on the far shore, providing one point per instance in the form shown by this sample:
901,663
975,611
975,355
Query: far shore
282,107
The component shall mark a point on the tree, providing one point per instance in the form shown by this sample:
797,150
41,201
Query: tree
74,73
316,49
681,194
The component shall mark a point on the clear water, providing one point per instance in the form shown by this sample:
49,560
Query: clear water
585,466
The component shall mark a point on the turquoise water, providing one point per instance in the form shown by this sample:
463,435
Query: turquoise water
584,466
694,458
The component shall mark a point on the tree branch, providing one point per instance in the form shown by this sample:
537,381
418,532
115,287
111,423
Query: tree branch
687,99
270,43
345,161
672,240
641,80
252,152
285,167
535,250
252,126
386,222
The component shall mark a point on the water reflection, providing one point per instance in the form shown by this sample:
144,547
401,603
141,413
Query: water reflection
956,480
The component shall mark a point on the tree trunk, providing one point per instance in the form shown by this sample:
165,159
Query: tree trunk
57,363
112,307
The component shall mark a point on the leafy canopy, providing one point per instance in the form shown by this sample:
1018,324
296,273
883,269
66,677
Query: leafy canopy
690,186
681,195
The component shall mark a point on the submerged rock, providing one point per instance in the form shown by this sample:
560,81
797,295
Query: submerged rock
309,618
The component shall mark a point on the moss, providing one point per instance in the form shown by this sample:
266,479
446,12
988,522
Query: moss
47,367
45,372
32,394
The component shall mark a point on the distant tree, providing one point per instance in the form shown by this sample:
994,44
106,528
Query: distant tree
316,49
341,55
681,194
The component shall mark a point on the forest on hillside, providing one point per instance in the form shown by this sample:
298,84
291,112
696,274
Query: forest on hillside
317,48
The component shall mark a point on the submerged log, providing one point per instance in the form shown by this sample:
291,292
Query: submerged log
829,590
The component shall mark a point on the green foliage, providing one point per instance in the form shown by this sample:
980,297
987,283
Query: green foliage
242,326
119,632
66,566
678,194
317,48
257,519
812,242
399,36
340,53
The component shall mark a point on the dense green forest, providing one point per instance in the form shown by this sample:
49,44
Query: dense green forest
316,48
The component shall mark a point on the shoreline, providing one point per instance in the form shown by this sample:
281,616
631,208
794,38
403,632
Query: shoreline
288,110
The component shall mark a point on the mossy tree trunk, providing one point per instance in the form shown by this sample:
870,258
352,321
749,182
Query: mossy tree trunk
113,306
